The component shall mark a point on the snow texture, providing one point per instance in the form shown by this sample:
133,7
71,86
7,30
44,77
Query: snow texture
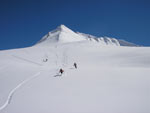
109,78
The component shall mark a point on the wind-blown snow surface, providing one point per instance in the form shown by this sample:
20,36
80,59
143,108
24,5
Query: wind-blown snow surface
109,79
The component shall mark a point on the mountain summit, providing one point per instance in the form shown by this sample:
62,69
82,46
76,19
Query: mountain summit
63,34
63,28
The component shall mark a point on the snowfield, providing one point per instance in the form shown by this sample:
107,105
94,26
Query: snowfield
109,78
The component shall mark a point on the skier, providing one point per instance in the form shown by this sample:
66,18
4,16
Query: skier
75,65
61,71
45,60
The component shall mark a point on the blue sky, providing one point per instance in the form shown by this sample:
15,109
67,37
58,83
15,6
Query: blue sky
24,22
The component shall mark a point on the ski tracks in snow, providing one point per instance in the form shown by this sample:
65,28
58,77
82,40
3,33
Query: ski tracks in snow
63,62
9,98
61,56
27,60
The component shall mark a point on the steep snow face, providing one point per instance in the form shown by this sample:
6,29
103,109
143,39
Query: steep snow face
60,35
63,34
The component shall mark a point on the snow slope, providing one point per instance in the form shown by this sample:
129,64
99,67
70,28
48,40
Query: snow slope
109,79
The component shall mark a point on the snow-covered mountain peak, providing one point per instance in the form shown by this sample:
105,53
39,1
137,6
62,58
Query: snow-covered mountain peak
63,34
63,28
60,29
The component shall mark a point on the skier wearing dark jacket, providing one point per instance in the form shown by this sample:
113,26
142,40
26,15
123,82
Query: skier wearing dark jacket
61,71
75,65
